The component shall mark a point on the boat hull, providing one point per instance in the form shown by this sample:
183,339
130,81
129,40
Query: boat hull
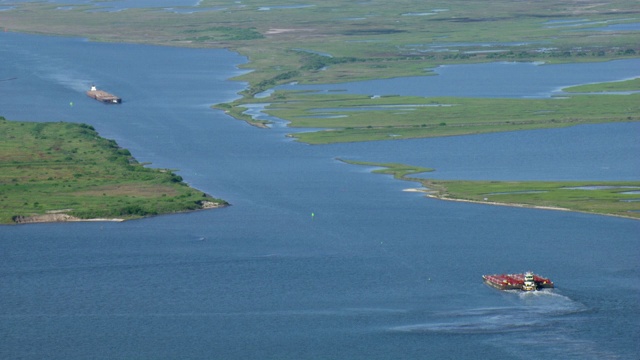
104,97
516,282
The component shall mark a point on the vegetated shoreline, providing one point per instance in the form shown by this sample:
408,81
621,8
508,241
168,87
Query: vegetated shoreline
66,172
303,66
47,218
432,116
311,48
60,216
431,194
605,202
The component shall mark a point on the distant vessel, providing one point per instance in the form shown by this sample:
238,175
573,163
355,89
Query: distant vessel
525,282
103,96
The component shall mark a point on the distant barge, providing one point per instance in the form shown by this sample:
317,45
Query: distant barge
526,282
103,96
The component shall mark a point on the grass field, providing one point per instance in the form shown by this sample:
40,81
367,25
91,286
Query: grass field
48,168
614,198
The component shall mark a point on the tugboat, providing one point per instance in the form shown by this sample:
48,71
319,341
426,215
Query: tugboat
103,96
529,284
525,282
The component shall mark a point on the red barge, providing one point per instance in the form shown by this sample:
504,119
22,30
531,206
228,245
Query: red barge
103,96
526,282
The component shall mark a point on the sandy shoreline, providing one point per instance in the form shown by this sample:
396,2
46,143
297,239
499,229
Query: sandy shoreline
56,217
61,216
500,204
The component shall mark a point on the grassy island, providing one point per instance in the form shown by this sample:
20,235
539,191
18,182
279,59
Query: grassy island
614,198
66,172
350,118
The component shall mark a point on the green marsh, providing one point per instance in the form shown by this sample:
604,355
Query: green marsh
614,198
68,168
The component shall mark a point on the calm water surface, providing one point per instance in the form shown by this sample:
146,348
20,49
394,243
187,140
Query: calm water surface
116,4
377,273
491,80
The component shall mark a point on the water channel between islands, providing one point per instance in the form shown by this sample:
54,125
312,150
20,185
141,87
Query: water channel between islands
375,273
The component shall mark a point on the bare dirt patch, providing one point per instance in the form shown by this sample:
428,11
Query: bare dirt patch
140,190
276,31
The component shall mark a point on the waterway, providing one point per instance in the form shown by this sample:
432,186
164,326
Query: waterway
490,80
316,258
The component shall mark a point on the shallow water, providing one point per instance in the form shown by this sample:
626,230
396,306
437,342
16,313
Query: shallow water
118,4
491,80
619,27
375,273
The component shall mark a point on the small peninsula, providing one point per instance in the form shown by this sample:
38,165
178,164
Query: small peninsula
612,198
57,171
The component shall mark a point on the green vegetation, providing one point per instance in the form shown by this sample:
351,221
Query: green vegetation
49,168
336,41
399,171
363,118
287,41
627,85
618,198
219,33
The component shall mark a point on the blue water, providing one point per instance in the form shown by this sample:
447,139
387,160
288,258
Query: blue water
117,4
619,27
490,80
376,273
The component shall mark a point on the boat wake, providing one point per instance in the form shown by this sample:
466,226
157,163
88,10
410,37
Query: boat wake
496,323
53,69
70,80
537,309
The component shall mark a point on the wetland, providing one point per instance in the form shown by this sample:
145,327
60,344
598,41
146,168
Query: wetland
369,50
318,258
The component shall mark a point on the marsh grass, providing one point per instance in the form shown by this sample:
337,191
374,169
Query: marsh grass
398,171
363,40
622,86
366,40
66,167
618,198
350,118
606,198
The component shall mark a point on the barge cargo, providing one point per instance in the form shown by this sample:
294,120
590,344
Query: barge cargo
103,96
526,282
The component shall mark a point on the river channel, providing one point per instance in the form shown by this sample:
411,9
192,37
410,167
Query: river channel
315,259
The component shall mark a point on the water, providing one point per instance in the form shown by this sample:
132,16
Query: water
490,80
619,27
376,273
117,5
